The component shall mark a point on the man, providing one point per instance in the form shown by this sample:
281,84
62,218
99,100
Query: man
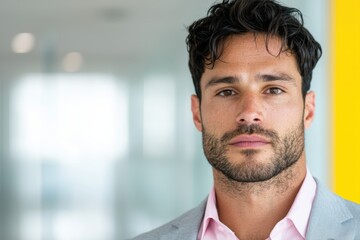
251,62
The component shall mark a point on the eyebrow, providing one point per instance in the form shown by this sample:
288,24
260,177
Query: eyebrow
263,77
275,77
215,81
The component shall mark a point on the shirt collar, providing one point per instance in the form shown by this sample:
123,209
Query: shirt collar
210,213
299,212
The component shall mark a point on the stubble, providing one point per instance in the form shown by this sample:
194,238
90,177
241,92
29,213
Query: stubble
286,151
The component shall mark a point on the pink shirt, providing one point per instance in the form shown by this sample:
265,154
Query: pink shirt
293,226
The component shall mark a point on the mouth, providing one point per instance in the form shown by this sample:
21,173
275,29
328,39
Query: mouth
249,141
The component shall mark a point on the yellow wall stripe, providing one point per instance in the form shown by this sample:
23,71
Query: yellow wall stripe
346,92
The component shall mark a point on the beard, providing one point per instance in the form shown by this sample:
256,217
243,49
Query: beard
286,152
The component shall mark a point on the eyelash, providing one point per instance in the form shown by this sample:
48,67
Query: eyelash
222,93
229,92
272,89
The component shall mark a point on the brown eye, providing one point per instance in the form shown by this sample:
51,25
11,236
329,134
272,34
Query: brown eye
226,93
274,91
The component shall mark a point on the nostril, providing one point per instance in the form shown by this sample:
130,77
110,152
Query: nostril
242,120
249,118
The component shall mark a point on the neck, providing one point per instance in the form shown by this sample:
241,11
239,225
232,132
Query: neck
257,206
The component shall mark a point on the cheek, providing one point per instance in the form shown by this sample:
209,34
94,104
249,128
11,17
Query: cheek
284,118
218,117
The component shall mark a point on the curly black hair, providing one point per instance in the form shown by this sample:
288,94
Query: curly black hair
207,35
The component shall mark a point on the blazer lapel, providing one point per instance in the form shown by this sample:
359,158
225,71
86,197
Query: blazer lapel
187,226
330,218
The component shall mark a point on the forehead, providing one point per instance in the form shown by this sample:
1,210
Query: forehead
244,46
253,54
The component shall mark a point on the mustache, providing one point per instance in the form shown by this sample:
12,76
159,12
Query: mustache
250,129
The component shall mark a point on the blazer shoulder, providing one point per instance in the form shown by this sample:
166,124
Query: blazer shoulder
190,221
354,208
329,199
333,217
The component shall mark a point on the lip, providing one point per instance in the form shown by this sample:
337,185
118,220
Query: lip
249,141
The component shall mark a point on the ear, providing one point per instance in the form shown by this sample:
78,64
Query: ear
195,109
309,110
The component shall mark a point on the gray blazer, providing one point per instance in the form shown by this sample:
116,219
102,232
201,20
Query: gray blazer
331,218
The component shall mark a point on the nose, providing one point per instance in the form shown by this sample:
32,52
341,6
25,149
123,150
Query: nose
249,110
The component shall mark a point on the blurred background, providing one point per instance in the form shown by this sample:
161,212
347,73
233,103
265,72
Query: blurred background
96,135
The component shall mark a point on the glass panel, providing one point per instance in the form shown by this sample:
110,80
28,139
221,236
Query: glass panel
159,116
67,133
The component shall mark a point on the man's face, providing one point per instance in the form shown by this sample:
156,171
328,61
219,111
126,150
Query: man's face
252,114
